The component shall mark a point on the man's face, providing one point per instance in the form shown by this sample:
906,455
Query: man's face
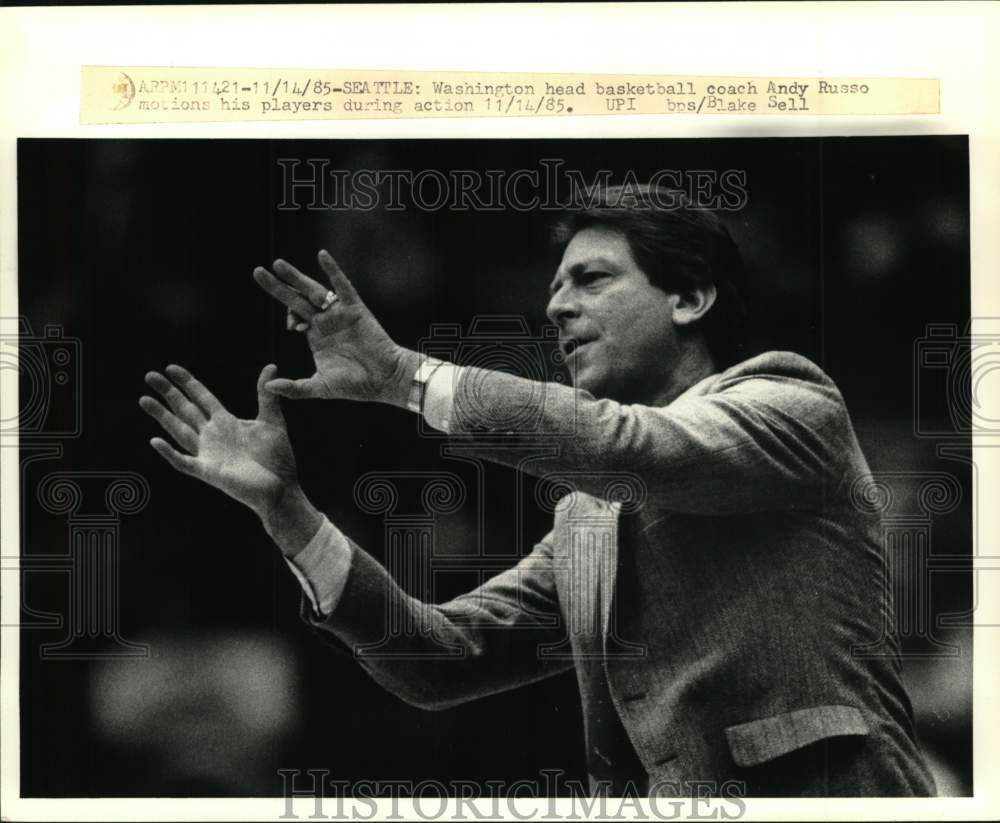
615,327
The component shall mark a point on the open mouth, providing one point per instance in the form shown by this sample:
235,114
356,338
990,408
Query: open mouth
571,346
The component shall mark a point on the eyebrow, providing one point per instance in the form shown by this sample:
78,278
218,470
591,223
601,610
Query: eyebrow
583,265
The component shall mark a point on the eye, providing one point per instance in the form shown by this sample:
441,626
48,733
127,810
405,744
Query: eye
590,276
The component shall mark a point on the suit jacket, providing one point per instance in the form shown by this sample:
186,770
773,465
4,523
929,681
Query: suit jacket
714,559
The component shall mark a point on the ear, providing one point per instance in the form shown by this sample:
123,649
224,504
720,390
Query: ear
692,305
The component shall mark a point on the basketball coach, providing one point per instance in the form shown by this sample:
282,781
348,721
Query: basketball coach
741,588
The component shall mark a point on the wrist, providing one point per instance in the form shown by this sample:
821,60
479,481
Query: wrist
397,388
290,520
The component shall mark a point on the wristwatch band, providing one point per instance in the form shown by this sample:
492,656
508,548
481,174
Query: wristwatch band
418,386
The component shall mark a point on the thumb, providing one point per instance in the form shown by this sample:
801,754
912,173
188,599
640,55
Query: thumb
303,389
268,405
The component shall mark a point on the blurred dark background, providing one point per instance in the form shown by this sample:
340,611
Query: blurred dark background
142,250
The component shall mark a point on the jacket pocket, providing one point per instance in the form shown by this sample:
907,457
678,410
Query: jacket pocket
758,741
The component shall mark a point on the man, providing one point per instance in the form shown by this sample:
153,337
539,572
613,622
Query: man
733,596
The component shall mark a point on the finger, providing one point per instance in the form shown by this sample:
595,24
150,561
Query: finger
302,389
177,400
181,462
280,291
314,292
176,428
194,389
295,323
268,404
341,285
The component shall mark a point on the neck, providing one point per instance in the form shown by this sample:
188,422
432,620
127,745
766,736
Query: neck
694,364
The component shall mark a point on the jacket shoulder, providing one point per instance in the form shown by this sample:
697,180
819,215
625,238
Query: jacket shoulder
778,365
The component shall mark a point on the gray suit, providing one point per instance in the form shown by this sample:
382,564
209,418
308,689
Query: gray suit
735,614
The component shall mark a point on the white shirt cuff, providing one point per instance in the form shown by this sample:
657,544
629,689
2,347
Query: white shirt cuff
439,396
322,568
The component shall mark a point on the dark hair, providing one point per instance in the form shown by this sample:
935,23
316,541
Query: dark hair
679,247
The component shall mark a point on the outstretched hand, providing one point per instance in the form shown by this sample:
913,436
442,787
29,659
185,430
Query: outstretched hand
250,460
354,356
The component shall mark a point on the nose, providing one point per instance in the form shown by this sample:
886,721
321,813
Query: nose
562,305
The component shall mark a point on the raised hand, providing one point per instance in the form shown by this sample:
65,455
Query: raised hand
355,359
250,460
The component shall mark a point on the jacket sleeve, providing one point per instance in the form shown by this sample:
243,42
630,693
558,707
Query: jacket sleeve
435,656
773,433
